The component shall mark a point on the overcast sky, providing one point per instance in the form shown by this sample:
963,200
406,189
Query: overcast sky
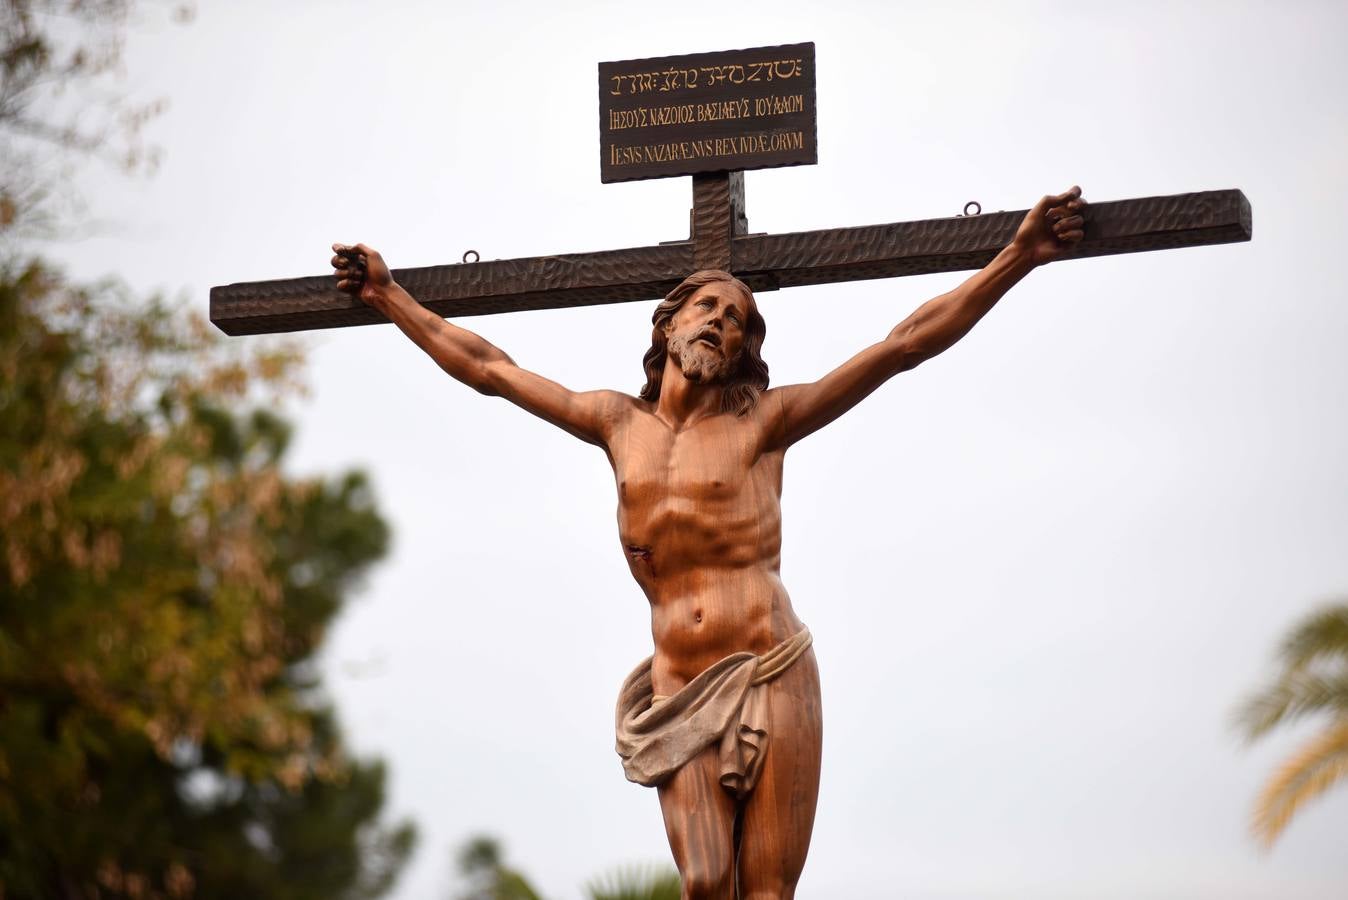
1040,571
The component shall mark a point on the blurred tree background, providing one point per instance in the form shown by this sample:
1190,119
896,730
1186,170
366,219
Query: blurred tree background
482,866
164,584
1312,682
656,882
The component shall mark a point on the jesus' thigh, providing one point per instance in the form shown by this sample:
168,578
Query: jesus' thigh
700,822
779,815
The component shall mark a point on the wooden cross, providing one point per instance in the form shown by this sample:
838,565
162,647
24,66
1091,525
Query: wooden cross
719,239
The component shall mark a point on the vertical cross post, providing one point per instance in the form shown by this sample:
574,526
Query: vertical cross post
717,218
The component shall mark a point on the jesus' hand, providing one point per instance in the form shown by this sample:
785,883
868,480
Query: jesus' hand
1052,229
360,271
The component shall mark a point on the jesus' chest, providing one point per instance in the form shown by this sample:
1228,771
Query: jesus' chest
716,462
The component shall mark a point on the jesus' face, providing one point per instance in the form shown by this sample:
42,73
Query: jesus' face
707,333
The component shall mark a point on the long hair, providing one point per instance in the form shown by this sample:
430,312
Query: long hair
750,378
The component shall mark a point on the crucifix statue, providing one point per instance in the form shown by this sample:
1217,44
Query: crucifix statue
724,718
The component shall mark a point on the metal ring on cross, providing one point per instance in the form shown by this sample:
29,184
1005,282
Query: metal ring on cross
978,208
475,254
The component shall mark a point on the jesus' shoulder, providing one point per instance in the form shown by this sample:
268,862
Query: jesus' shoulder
628,427
611,419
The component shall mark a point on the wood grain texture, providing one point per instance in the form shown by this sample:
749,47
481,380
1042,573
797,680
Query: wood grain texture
970,242
718,217
468,289
765,262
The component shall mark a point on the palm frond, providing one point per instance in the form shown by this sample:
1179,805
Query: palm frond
1296,694
1313,770
1323,634
636,883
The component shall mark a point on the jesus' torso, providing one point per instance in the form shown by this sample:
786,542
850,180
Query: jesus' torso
699,516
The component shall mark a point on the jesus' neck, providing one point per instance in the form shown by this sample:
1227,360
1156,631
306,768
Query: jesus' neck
683,403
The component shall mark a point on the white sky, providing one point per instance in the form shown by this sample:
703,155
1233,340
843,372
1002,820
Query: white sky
1040,571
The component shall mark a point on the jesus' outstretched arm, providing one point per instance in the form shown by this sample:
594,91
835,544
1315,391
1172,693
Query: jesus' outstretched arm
468,357
1049,231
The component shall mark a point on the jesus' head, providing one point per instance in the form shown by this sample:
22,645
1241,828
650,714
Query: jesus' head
713,342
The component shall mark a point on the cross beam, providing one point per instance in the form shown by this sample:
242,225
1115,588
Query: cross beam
719,239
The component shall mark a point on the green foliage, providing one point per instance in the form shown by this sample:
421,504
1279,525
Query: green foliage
163,588
163,585
1313,681
482,865
637,883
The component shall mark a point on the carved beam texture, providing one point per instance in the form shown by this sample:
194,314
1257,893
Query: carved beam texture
717,217
469,289
765,262
772,261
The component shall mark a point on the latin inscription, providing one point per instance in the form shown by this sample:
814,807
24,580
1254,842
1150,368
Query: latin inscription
707,148
738,109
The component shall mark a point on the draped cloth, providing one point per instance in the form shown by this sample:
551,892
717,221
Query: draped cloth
727,703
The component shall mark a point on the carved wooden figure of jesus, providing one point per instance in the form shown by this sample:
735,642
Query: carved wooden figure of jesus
724,718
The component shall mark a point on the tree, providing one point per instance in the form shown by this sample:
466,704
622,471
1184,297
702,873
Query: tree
481,862
1313,682
163,584
61,105
163,589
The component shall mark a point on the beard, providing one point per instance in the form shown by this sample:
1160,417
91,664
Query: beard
699,363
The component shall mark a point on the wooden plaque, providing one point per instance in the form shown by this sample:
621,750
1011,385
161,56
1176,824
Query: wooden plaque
707,112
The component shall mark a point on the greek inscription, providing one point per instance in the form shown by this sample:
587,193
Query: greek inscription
779,105
619,119
714,111
671,115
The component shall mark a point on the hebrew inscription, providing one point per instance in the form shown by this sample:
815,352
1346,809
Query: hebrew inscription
736,109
